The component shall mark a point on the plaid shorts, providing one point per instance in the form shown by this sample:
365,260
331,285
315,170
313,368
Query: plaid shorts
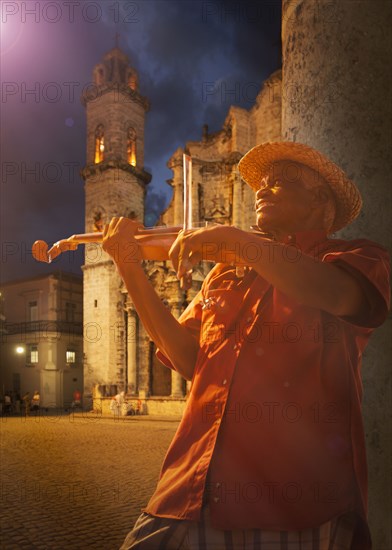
155,533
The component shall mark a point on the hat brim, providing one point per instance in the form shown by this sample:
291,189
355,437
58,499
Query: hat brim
254,165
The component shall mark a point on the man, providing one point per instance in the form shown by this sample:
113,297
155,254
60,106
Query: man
35,401
270,452
26,401
117,403
7,403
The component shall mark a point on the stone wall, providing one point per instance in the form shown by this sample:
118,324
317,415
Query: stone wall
266,115
104,342
337,98
152,406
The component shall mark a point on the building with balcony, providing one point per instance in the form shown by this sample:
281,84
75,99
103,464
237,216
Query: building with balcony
42,337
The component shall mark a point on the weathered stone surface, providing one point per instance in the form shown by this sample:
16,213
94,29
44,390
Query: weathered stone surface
336,97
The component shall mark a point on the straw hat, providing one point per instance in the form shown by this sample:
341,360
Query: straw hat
261,158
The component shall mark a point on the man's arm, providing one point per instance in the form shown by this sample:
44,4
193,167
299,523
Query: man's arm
312,282
305,279
173,339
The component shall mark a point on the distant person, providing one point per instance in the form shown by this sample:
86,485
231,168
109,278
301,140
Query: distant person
117,403
139,407
17,403
26,403
7,403
77,400
35,401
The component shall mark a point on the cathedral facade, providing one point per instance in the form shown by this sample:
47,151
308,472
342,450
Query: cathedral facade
118,353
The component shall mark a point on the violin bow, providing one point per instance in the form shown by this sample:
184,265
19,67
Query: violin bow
186,280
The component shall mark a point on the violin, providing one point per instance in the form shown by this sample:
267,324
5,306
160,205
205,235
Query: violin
155,243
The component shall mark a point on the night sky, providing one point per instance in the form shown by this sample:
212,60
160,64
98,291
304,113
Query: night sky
194,59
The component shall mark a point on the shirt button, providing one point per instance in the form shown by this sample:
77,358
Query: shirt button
216,499
224,381
249,319
217,485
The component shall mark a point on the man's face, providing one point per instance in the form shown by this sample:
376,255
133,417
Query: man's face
283,203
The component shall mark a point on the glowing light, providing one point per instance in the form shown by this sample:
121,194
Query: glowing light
132,82
99,144
131,147
11,27
20,350
132,158
99,149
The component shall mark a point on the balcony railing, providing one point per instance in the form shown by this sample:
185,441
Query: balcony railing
43,327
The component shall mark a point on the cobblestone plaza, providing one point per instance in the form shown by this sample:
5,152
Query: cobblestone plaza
77,481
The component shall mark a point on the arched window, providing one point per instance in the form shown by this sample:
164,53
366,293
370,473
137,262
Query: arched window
131,147
132,81
99,144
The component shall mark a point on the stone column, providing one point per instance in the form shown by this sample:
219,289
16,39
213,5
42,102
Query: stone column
176,165
178,201
132,350
144,362
238,207
176,385
337,98
176,378
195,193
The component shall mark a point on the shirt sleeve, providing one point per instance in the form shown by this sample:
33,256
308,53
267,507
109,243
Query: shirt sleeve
369,264
191,319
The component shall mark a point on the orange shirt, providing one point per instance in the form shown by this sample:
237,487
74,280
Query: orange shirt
274,412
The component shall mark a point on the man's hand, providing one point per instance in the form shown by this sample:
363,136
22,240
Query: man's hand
217,243
120,243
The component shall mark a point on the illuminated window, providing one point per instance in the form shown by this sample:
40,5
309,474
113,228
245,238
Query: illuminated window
70,356
99,144
131,147
33,354
132,82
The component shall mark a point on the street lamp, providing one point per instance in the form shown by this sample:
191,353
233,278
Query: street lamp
19,350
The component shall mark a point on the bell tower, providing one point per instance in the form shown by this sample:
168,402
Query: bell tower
115,185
